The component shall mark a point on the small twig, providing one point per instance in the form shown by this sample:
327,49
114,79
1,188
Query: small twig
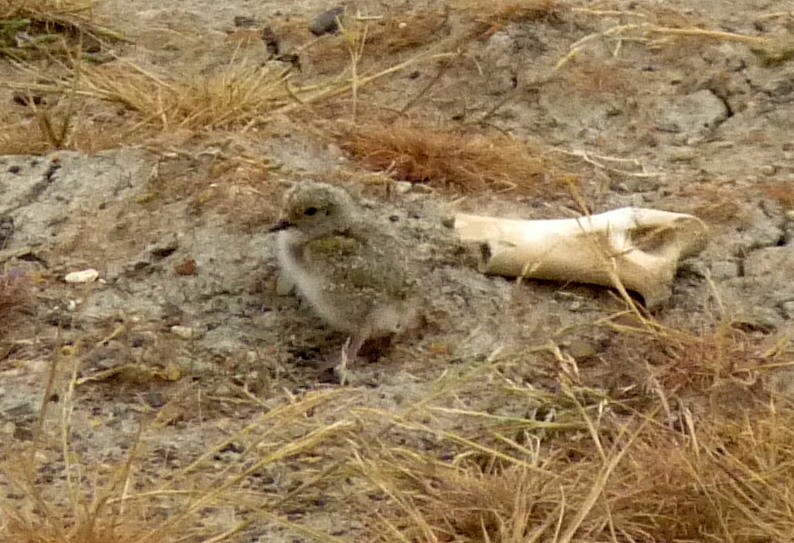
609,13
777,15
594,159
412,102
662,30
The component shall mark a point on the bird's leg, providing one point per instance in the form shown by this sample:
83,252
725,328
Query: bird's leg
349,353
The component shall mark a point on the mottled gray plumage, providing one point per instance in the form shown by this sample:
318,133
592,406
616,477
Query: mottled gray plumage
350,270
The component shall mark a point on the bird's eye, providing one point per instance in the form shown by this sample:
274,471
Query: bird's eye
310,211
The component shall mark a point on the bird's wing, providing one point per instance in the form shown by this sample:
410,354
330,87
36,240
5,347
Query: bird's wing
363,264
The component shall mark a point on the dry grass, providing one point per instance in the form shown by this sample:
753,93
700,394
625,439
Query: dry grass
782,192
571,463
593,78
717,204
639,471
237,95
720,481
116,499
467,162
48,128
14,295
47,25
667,31
502,12
491,17
380,39
683,363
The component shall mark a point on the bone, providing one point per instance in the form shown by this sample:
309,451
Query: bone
639,249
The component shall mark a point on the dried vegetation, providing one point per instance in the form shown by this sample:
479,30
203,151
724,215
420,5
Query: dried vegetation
118,500
15,291
656,459
31,29
457,159
653,463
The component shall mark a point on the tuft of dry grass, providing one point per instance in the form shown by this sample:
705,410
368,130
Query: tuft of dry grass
14,294
782,192
592,78
237,95
726,481
116,498
31,27
56,127
379,39
411,151
612,470
685,363
492,17
503,12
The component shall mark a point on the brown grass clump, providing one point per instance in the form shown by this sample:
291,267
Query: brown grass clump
466,162
237,95
654,471
14,294
642,488
377,40
491,17
48,128
117,497
30,27
595,78
395,34
782,192
717,205
509,11
684,363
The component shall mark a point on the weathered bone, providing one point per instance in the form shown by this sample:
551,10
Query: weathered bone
638,248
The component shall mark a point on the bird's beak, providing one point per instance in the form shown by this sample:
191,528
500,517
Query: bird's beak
282,224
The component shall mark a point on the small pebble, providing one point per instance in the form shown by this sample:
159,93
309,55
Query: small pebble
242,21
85,276
155,399
581,349
683,155
403,187
186,267
164,247
185,332
724,269
768,170
326,23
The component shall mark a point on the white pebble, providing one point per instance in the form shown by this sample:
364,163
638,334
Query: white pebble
403,187
185,332
85,276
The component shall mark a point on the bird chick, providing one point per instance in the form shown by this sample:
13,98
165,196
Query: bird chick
351,272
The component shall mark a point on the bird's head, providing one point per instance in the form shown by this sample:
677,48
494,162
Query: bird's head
317,210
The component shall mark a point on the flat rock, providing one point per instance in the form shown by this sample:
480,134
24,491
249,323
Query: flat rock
694,114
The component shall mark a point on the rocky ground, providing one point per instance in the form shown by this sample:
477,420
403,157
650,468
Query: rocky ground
185,339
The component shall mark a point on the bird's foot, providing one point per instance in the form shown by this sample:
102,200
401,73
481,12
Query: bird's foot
343,375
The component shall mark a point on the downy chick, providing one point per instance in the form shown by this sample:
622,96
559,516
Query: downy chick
352,273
